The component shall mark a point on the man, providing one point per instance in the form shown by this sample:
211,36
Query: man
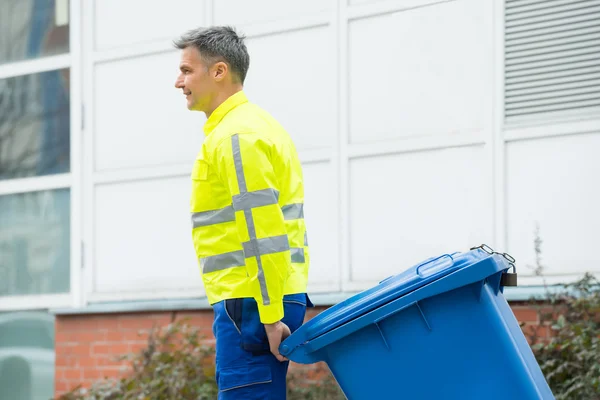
248,224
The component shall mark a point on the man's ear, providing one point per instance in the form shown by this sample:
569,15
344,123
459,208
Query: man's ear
220,71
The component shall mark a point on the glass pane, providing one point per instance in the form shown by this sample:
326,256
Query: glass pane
26,356
33,28
34,124
35,243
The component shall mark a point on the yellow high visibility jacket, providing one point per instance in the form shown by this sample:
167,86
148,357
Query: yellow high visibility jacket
247,204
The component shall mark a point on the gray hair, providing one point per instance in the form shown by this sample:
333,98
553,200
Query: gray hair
218,43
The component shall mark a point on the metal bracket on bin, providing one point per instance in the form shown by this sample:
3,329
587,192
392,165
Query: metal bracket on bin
508,278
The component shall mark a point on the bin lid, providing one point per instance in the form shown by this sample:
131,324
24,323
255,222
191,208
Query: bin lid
388,290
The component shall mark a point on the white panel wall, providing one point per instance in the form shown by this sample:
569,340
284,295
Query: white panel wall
121,23
143,237
242,12
321,223
297,89
395,107
143,143
408,207
555,183
418,72
141,119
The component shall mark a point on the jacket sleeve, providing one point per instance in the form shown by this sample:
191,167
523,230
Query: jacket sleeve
244,164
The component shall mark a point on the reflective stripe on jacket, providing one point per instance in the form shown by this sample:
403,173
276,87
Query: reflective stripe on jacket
247,209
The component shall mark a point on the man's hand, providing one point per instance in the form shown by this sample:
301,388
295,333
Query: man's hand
277,333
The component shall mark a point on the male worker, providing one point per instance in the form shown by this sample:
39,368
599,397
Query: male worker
247,218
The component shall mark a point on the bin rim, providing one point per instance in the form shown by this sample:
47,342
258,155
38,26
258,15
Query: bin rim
390,289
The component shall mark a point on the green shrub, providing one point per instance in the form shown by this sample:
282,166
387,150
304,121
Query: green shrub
570,356
176,365
300,388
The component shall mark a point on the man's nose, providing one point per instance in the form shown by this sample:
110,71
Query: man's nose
179,82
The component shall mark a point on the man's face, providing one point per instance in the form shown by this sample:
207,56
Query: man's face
194,80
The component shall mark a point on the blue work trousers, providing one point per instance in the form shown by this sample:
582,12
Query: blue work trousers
245,367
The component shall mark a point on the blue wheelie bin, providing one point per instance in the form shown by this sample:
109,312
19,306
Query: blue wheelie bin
440,330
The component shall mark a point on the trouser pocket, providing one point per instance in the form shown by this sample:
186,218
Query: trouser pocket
233,308
254,336
294,306
244,315
245,382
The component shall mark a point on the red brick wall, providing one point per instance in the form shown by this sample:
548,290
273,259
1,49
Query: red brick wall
529,317
86,345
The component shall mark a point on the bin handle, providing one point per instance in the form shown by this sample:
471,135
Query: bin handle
424,263
424,269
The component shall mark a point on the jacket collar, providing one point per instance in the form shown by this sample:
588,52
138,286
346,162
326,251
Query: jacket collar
215,118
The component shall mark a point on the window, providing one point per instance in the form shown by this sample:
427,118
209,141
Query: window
33,28
34,128
552,62
36,189
35,154
34,242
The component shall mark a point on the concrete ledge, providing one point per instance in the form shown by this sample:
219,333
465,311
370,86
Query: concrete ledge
519,293
525,293
319,299
136,306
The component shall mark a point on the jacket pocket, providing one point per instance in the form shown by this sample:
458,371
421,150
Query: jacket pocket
201,188
245,381
200,170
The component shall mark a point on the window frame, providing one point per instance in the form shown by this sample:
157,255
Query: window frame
71,180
